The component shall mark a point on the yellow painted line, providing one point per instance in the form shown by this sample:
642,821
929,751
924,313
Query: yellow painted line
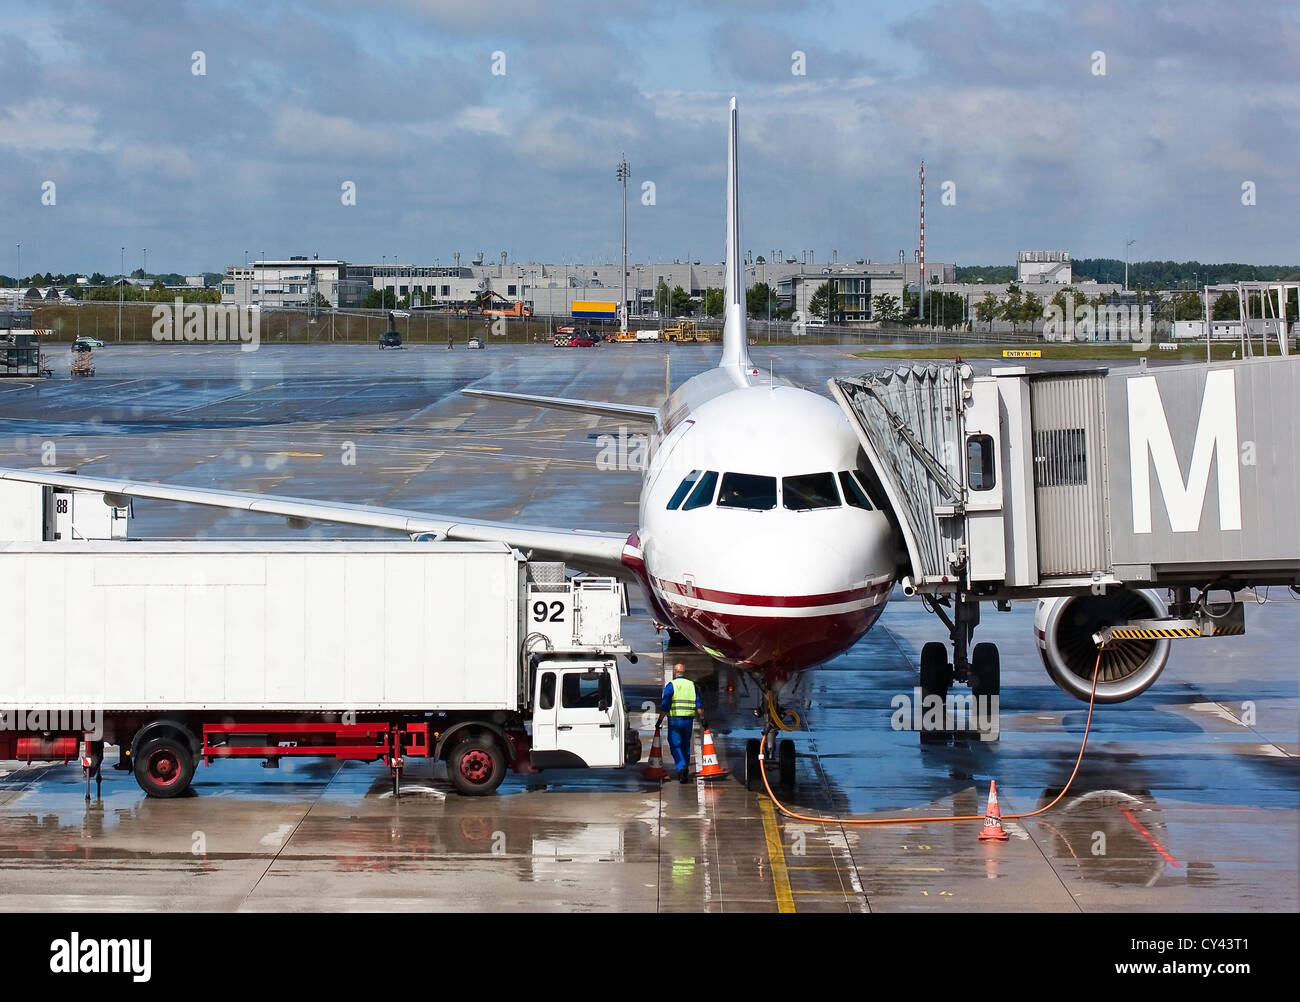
844,893
776,856
305,455
480,448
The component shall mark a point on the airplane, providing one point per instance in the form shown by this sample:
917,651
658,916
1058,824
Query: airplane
758,538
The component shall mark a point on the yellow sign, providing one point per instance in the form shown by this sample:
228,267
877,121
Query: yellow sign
1022,353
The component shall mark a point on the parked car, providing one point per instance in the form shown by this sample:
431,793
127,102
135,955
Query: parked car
89,342
474,342
582,340
390,339
80,346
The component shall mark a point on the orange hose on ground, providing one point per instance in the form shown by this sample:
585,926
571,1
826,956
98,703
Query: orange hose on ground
762,767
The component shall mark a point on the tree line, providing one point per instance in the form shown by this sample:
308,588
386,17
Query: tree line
1145,274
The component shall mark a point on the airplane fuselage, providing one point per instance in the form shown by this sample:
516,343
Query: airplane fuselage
755,543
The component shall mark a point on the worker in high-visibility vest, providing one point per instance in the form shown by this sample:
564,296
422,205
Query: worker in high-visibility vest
681,705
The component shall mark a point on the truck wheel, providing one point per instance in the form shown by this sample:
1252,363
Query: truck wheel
476,766
164,768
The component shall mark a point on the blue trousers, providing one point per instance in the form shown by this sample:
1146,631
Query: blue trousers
679,740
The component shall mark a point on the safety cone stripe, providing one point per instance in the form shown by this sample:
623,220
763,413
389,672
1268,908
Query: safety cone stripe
655,768
709,768
992,830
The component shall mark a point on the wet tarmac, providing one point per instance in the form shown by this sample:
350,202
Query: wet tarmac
1186,800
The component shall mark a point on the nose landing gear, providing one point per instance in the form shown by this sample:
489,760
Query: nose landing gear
778,755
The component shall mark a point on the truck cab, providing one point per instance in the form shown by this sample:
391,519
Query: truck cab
579,718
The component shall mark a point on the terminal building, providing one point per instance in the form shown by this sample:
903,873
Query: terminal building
1043,267
551,289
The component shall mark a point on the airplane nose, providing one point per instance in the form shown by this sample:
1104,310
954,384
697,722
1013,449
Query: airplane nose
802,608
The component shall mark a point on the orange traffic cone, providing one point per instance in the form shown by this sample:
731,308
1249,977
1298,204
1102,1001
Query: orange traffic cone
709,768
655,769
992,830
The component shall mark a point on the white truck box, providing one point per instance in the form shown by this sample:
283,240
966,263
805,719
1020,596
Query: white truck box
262,625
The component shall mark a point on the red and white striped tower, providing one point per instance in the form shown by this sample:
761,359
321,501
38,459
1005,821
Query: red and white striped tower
921,304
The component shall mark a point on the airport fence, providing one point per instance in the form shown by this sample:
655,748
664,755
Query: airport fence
135,323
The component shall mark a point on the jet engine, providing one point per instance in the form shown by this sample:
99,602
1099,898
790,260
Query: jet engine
1064,629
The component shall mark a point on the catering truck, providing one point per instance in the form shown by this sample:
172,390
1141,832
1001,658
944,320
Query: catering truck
188,652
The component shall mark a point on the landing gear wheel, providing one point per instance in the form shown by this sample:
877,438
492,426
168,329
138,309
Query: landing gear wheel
476,766
986,670
986,682
936,676
785,759
753,777
164,768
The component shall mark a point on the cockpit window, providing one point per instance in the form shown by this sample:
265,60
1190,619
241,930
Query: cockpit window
683,489
809,491
853,492
702,496
747,490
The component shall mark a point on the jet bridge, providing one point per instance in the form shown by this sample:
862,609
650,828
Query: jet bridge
1087,489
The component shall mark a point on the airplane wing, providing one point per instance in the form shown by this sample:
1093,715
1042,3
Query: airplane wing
584,549
603,408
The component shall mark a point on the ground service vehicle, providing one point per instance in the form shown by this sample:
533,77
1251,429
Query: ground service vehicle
493,304
187,652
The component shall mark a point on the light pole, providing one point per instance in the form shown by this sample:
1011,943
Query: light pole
623,171
18,279
121,289
248,279
1127,245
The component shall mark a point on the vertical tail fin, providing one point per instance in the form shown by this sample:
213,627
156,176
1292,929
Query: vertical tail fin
734,334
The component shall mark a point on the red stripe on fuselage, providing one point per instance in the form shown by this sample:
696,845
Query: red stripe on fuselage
671,588
775,647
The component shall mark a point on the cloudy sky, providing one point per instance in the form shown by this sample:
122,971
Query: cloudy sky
1004,100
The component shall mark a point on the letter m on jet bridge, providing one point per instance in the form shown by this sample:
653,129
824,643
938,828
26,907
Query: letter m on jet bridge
1216,437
